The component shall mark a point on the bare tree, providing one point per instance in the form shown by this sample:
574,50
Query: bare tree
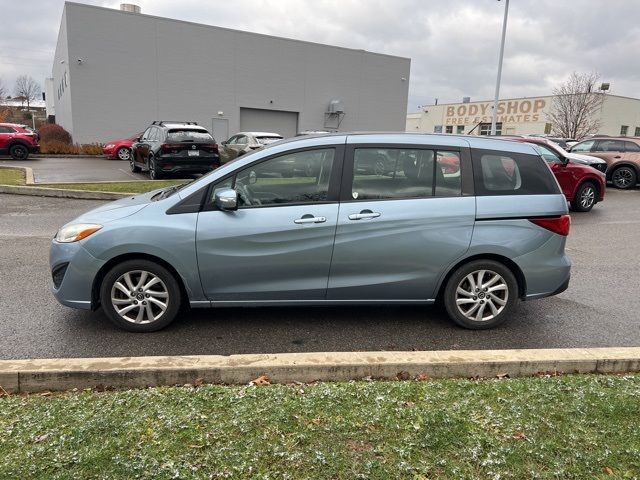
3,90
27,88
575,107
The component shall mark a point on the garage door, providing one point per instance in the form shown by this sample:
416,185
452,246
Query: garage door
276,121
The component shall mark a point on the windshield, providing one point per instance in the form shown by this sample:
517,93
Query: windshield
176,135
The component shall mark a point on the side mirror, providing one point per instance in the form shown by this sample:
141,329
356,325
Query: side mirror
227,200
139,139
223,143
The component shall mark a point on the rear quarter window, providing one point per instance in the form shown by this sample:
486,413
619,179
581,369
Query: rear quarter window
508,173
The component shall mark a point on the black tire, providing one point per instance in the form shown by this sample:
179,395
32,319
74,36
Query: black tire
123,153
132,165
508,295
586,197
154,173
168,284
624,177
19,152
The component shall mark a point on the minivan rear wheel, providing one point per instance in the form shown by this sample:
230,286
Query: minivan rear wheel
140,296
480,294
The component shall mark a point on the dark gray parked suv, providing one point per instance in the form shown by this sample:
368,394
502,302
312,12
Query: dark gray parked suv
174,147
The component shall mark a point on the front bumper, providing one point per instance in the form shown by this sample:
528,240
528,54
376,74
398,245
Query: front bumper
34,148
75,288
109,152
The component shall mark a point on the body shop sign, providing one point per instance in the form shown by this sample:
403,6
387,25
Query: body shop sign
509,111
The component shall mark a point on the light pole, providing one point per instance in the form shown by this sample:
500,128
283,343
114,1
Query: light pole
497,95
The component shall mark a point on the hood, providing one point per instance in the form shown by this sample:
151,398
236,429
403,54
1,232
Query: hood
584,159
117,209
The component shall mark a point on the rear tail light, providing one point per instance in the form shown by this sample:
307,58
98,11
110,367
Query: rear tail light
170,146
559,225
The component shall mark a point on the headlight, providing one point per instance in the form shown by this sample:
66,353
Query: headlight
109,145
73,233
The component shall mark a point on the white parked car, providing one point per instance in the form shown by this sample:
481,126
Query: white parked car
245,142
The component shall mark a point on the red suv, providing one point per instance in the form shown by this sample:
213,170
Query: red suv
18,140
582,185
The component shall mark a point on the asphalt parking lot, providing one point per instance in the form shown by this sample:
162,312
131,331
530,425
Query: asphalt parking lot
76,169
600,308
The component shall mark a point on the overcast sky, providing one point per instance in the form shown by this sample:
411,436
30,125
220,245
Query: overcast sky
453,45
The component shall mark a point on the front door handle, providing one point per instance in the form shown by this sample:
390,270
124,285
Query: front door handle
310,219
617,156
364,214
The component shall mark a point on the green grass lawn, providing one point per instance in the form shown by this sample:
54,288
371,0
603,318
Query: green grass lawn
11,176
140,186
562,427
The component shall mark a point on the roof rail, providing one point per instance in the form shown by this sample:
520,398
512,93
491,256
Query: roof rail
162,122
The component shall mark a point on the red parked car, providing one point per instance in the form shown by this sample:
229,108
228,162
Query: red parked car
18,140
119,149
582,185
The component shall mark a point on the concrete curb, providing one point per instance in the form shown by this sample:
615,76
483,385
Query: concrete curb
20,376
60,193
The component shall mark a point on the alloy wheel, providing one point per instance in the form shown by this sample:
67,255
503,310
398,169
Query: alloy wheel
482,295
124,154
139,297
622,177
19,152
587,197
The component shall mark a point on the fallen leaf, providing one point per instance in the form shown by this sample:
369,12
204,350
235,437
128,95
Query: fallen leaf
423,377
409,404
196,446
502,375
45,394
519,436
403,375
608,471
199,382
359,446
261,380
41,438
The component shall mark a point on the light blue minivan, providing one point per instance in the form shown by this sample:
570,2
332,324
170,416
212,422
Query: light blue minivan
340,219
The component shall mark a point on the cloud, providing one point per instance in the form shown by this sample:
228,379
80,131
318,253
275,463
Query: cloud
453,45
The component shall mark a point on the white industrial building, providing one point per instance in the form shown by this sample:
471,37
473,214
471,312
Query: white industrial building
116,71
520,116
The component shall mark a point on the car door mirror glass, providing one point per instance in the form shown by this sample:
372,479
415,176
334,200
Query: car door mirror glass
226,199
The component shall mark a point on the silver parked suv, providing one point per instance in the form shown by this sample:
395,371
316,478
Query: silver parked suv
477,223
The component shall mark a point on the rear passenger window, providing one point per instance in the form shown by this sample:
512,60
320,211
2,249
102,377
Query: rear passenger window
394,173
498,173
631,147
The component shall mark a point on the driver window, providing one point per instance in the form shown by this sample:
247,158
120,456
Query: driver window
294,178
146,133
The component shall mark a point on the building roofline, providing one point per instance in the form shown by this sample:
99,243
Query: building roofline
114,10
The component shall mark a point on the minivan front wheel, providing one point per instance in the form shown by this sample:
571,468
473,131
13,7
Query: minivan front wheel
480,294
140,296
